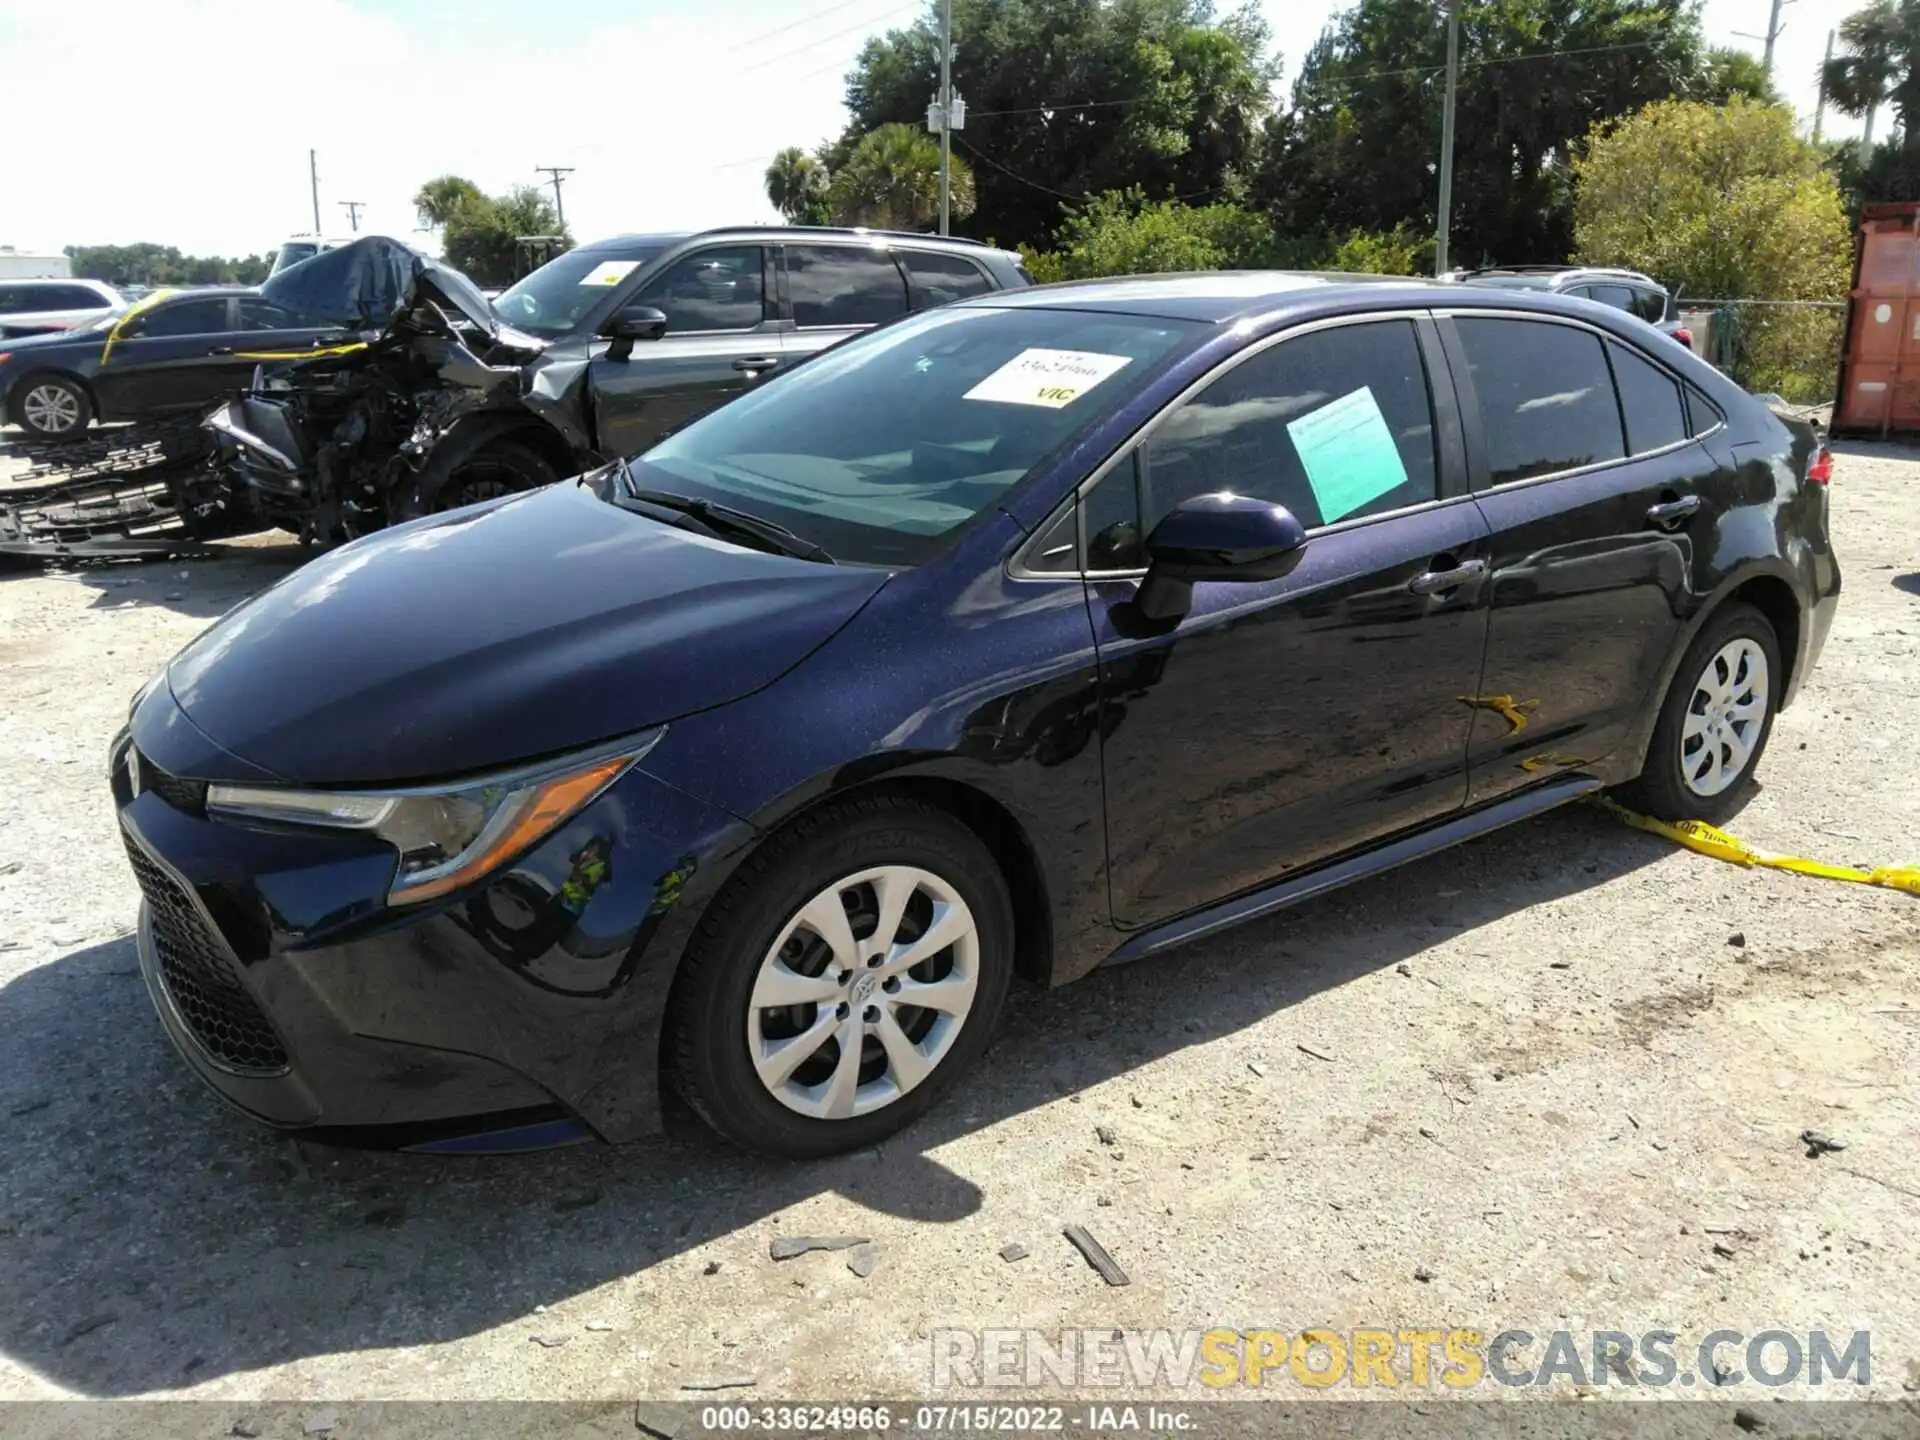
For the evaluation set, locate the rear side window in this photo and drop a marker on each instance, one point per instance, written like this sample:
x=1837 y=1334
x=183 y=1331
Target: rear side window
x=1650 y=400
x=1546 y=397
x=13 y=300
x=1650 y=306
x=844 y=285
x=1335 y=425
x=1618 y=296
x=938 y=279
x=258 y=314
x=1702 y=414
x=189 y=317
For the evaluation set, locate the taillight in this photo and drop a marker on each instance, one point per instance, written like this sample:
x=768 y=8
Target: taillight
x=1821 y=470
x=1684 y=336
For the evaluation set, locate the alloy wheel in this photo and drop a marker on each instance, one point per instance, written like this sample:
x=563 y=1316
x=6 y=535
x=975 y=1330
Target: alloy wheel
x=863 y=992
x=50 y=409
x=1725 y=717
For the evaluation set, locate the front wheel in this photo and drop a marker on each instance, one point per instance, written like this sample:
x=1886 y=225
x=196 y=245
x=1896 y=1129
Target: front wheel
x=1714 y=723
x=52 y=407
x=504 y=467
x=850 y=974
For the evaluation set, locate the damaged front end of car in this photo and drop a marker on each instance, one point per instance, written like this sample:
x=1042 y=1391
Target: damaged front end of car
x=427 y=403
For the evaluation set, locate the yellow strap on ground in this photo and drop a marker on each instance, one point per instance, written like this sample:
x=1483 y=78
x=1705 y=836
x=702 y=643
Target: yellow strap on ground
x=1708 y=840
x=299 y=354
x=133 y=311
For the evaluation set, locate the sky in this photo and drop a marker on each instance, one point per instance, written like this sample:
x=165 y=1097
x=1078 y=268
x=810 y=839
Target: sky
x=189 y=122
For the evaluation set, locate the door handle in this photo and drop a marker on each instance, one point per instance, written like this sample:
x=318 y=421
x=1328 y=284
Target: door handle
x=1436 y=582
x=756 y=364
x=1668 y=515
x=221 y=350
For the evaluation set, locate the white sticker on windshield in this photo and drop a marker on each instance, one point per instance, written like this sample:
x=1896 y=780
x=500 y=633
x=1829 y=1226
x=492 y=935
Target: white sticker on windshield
x=1053 y=379
x=610 y=272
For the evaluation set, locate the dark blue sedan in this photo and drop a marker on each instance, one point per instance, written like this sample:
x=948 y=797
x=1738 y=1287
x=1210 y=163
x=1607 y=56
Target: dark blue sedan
x=1036 y=633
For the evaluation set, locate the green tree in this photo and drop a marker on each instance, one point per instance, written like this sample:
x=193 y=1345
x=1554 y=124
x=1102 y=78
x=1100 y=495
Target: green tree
x=1124 y=233
x=1728 y=202
x=479 y=232
x=1068 y=99
x=796 y=184
x=1357 y=151
x=1879 y=62
x=891 y=181
x=1727 y=71
x=150 y=264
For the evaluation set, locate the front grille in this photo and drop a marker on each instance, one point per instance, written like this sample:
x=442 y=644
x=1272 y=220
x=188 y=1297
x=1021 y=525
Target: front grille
x=186 y=796
x=200 y=978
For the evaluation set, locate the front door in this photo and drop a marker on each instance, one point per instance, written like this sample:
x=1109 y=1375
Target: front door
x=1593 y=525
x=172 y=357
x=1282 y=722
x=723 y=334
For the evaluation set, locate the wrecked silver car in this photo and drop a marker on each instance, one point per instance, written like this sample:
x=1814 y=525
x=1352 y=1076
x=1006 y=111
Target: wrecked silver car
x=428 y=401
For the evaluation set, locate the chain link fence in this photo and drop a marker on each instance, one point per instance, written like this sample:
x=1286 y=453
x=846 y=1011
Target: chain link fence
x=1788 y=347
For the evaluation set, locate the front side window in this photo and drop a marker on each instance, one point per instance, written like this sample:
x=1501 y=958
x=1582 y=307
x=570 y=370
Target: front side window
x=880 y=448
x=844 y=285
x=1650 y=399
x=188 y=317
x=722 y=289
x=1334 y=425
x=13 y=300
x=1546 y=397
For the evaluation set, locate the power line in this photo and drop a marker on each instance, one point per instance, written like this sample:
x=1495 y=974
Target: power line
x=866 y=24
x=795 y=25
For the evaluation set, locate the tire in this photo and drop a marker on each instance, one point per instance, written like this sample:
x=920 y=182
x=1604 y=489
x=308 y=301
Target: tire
x=52 y=407
x=1719 y=668
x=500 y=467
x=758 y=938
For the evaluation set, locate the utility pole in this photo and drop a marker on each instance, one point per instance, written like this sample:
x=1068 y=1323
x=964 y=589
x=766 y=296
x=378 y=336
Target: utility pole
x=946 y=110
x=1774 y=28
x=1446 y=139
x=313 y=177
x=558 y=173
x=1820 y=105
x=353 y=209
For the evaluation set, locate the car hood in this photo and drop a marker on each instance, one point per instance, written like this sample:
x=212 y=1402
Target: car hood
x=504 y=632
x=372 y=283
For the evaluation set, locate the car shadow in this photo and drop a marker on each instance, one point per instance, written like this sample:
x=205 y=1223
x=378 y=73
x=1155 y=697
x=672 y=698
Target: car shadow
x=205 y=585
x=1910 y=582
x=150 y=1238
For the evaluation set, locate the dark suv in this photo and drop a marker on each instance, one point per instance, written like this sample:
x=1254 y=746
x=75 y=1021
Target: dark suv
x=738 y=304
x=1628 y=290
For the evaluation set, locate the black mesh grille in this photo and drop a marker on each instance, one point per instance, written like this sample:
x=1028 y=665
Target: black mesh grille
x=189 y=796
x=199 y=978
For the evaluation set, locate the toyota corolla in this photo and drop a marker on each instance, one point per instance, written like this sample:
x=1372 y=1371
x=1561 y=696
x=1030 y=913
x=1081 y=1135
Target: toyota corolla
x=1036 y=633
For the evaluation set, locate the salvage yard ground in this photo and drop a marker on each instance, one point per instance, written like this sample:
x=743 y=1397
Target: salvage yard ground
x=1551 y=1080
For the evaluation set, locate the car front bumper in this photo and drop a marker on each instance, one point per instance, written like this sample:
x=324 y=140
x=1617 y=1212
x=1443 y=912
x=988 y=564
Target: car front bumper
x=521 y=1013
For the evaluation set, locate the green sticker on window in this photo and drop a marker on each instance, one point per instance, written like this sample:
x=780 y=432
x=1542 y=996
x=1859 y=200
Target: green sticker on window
x=1348 y=453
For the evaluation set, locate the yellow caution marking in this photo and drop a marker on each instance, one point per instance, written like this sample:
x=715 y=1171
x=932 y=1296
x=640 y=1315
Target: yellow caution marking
x=134 y=312
x=299 y=354
x=1709 y=840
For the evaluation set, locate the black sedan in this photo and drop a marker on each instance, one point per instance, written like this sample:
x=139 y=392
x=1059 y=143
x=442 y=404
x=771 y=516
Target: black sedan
x=177 y=351
x=1039 y=632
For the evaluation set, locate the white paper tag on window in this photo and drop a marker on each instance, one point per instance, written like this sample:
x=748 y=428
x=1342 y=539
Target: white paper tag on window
x=610 y=272
x=1052 y=379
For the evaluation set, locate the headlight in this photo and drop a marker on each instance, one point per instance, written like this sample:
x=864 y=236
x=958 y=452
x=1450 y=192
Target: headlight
x=447 y=836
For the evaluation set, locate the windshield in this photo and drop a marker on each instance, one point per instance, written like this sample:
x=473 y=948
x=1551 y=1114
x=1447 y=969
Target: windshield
x=294 y=252
x=880 y=448
x=552 y=300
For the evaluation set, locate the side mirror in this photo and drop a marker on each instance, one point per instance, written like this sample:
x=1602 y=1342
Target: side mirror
x=630 y=323
x=1222 y=536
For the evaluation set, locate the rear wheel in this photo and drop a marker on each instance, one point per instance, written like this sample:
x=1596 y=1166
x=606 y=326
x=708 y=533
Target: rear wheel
x=52 y=407
x=1715 y=721
x=850 y=974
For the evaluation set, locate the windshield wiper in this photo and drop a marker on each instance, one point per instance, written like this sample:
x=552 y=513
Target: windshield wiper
x=725 y=519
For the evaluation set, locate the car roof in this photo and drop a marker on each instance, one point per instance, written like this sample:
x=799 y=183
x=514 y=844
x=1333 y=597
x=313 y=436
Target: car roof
x=624 y=245
x=1229 y=297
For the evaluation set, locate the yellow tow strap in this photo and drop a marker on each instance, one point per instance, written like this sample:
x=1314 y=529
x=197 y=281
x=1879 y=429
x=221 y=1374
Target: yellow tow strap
x=299 y=354
x=1705 y=838
x=133 y=312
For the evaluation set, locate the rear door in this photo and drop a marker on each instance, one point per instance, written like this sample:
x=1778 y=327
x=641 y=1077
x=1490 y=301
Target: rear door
x=1281 y=722
x=838 y=290
x=171 y=357
x=723 y=333
x=1596 y=496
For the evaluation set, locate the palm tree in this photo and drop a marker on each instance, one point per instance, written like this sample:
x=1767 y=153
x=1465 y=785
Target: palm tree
x=891 y=181
x=1878 y=48
x=795 y=180
x=438 y=201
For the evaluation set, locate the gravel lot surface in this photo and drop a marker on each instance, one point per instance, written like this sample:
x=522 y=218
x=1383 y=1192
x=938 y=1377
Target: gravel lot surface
x=1533 y=1083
